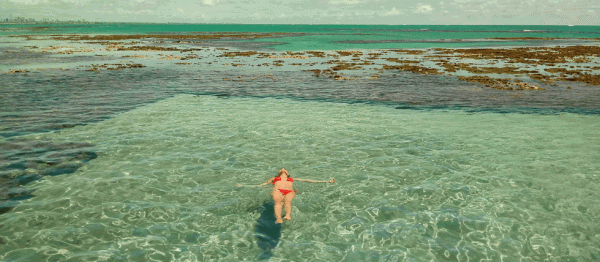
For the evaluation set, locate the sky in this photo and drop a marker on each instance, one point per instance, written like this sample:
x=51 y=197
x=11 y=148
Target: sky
x=388 y=12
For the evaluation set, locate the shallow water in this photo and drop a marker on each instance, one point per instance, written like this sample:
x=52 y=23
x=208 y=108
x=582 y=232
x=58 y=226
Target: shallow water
x=443 y=185
x=54 y=99
x=140 y=164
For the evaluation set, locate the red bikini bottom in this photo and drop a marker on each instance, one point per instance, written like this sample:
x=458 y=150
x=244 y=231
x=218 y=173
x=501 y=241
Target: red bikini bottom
x=285 y=191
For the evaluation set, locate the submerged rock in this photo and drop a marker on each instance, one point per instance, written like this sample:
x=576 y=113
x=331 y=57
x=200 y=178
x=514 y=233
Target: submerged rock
x=24 y=161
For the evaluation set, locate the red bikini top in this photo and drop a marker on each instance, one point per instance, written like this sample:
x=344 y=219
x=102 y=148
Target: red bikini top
x=289 y=179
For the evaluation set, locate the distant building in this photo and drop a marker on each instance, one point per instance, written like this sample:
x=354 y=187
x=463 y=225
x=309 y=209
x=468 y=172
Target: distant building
x=24 y=20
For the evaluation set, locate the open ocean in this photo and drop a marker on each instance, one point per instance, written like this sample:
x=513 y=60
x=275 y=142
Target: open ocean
x=140 y=164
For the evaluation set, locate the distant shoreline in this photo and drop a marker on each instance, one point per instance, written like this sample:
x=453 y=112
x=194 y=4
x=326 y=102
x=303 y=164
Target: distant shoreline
x=69 y=22
x=199 y=23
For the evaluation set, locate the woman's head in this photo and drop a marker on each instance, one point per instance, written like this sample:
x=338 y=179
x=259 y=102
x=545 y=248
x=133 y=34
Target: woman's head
x=283 y=171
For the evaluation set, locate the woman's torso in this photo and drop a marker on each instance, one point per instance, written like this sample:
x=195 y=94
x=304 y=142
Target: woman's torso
x=279 y=183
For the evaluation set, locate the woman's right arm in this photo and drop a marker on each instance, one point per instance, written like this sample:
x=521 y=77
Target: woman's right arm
x=268 y=181
x=263 y=184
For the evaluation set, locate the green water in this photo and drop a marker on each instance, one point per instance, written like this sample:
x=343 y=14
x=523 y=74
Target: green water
x=410 y=184
x=336 y=37
x=141 y=28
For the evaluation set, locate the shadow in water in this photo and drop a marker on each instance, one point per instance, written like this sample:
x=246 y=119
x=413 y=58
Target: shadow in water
x=267 y=232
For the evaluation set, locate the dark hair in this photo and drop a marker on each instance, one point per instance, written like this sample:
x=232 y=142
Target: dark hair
x=281 y=172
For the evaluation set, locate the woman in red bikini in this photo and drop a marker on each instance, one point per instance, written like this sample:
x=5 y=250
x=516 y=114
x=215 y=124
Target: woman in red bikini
x=283 y=192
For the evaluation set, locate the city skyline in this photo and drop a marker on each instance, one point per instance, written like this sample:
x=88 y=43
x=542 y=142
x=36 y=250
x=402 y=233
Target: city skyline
x=20 y=19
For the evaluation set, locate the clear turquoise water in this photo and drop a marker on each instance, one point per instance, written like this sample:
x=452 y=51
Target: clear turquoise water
x=140 y=165
x=441 y=185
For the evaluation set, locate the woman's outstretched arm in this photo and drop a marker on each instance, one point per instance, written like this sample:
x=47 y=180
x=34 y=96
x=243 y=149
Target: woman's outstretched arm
x=314 y=181
x=263 y=184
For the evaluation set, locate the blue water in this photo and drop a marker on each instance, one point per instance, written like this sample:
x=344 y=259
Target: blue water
x=141 y=163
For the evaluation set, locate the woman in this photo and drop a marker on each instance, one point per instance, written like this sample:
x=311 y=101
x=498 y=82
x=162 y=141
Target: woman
x=283 y=192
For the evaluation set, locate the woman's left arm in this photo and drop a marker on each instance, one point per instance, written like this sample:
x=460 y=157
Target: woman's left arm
x=314 y=181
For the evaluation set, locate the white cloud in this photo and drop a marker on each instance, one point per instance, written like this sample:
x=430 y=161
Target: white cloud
x=29 y=2
x=394 y=11
x=210 y=2
x=423 y=9
x=344 y=2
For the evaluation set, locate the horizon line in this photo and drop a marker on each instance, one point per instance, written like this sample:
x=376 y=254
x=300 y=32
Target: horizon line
x=204 y=23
